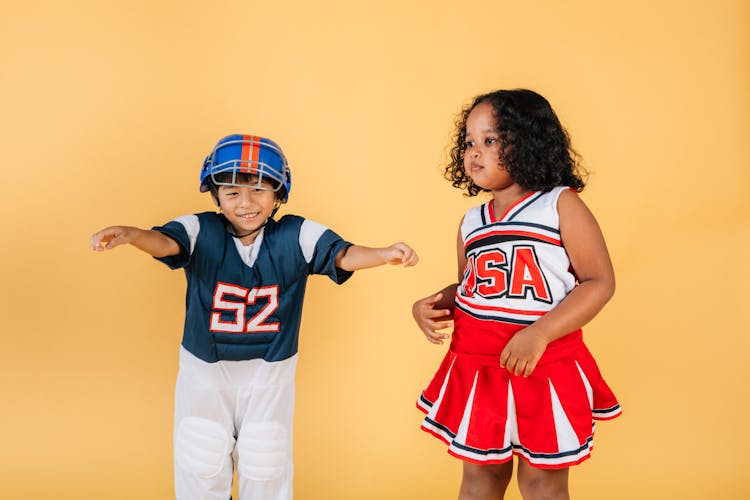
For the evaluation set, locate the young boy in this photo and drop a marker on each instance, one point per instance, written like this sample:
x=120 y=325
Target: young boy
x=246 y=276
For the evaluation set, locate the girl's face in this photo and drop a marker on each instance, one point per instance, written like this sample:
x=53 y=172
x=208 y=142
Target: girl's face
x=247 y=207
x=482 y=153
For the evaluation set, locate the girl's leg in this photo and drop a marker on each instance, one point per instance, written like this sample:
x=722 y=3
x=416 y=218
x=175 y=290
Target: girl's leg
x=485 y=482
x=538 y=484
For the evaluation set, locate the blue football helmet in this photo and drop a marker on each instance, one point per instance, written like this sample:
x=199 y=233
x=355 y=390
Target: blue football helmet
x=248 y=154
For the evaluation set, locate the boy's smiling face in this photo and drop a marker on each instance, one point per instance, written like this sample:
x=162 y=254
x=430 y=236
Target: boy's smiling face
x=247 y=207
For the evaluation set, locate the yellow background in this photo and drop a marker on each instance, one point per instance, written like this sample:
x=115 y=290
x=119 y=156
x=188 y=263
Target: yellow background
x=108 y=108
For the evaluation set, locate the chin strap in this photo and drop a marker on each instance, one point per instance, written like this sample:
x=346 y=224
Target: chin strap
x=276 y=206
x=240 y=236
x=230 y=228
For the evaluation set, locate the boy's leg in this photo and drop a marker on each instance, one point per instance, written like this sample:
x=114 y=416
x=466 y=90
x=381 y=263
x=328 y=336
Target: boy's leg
x=264 y=441
x=536 y=483
x=203 y=433
x=485 y=482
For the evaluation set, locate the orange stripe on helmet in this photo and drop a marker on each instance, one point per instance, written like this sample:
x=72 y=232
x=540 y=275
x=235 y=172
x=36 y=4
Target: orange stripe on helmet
x=256 y=154
x=244 y=156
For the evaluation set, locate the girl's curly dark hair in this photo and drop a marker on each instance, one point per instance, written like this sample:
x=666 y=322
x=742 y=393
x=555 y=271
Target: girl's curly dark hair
x=534 y=146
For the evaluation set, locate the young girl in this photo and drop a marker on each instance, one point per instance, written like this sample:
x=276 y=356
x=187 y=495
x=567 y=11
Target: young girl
x=533 y=269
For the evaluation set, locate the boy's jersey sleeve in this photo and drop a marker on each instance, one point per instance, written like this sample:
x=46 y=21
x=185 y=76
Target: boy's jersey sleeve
x=184 y=230
x=320 y=246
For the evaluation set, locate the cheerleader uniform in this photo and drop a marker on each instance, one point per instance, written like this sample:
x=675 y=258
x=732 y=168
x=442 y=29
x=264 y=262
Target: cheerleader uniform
x=517 y=270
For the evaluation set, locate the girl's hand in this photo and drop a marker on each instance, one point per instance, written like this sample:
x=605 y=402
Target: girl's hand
x=400 y=253
x=523 y=351
x=430 y=320
x=111 y=237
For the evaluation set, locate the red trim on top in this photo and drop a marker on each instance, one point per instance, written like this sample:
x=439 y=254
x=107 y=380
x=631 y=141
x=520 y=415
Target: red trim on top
x=512 y=207
x=502 y=309
x=536 y=236
x=491 y=210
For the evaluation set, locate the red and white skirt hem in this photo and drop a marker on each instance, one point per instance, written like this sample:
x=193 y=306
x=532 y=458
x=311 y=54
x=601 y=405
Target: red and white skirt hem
x=486 y=415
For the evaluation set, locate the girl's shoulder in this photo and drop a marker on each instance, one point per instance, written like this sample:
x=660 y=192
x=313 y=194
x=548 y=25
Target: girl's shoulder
x=545 y=203
x=556 y=192
x=475 y=217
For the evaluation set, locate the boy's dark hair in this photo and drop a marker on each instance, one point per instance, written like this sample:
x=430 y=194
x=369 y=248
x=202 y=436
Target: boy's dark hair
x=534 y=146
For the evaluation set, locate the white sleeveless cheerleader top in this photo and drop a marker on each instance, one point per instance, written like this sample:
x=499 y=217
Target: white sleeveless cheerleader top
x=517 y=268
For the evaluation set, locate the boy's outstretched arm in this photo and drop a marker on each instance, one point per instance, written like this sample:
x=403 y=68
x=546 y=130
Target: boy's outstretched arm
x=356 y=257
x=151 y=242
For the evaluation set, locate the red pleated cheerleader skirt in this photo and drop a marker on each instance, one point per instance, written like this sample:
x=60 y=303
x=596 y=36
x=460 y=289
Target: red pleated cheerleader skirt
x=486 y=415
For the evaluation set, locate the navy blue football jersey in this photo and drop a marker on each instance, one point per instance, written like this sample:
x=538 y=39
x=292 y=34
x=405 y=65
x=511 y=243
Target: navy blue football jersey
x=246 y=302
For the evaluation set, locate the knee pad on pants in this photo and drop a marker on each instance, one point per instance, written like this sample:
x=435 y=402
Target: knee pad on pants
x=263 y=449
x=201 y=446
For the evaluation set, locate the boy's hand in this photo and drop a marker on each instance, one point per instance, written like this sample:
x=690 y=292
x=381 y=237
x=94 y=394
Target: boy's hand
x=152 y=242
x=523 y=351
x=111 y=237
x=400 y=253
x=430 y=320
x=356 y=257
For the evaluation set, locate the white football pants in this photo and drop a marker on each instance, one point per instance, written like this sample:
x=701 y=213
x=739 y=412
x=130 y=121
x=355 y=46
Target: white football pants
x=233 y=412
